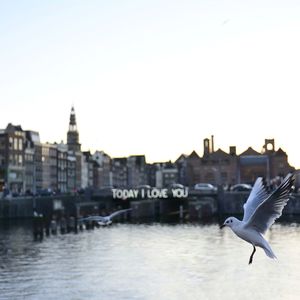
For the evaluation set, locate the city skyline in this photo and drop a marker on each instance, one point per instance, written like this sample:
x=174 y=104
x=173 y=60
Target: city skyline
x=153 y=78
x=208 y=141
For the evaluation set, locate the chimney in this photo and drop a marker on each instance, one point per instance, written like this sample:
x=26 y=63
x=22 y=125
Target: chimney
x=206 y=147
x=232 y=150
x=212 y=144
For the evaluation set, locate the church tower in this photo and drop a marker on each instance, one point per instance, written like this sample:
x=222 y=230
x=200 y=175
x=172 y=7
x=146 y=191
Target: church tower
x=73 y=135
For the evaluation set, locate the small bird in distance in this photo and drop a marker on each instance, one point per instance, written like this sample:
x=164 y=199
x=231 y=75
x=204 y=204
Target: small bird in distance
x=105 y=220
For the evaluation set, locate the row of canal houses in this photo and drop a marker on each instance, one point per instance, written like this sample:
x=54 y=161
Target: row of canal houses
x=29 y=166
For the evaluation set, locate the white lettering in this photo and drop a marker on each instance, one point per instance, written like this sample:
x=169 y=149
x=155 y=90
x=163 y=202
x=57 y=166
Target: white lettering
x=124 y=194
x=156 y=193
x=135 y=193
x=164 y=193
x=180 y=193
x=153 y=193
x=114 y=193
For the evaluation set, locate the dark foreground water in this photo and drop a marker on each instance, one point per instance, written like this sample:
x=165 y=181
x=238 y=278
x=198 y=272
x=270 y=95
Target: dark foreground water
x=148 y=262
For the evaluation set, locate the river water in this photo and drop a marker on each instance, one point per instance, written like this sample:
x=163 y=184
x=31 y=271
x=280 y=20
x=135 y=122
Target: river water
x=154 y=261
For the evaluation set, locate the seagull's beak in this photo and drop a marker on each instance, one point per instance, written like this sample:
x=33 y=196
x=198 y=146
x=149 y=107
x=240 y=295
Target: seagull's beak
x=222 y=226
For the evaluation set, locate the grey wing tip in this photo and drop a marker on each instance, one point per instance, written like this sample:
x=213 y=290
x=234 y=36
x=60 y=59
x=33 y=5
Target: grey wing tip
x=290 y=178
x=264 y=184
x=288 y=183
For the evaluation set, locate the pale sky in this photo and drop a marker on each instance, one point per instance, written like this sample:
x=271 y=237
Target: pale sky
x=153 y=77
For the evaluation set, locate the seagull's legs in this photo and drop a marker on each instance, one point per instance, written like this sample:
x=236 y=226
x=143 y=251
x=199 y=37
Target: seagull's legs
x=251 y=256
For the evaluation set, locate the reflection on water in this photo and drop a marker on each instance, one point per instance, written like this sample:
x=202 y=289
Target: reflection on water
x=148 y=262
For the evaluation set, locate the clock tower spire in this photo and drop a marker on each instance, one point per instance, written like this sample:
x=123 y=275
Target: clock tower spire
x=73 y=135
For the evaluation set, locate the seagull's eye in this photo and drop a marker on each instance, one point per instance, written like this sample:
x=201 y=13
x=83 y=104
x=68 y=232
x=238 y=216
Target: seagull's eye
x=227 y=222
x=230 y=221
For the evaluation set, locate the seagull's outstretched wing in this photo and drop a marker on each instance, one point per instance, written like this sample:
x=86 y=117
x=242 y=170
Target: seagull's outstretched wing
x=257 y=196
x=93 y=218
x=104 y=218
x=270 y=209
x=118 y=212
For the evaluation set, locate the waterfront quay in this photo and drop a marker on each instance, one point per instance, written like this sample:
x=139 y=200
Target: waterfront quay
x=194 y=205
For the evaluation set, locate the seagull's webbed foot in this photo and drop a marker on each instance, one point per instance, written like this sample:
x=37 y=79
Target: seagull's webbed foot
x=252 y=254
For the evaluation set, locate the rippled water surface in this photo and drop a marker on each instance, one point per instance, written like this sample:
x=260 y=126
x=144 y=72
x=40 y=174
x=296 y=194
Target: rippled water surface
x=148 y=262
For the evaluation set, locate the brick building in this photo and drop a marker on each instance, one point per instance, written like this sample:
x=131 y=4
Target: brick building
x=220 y=167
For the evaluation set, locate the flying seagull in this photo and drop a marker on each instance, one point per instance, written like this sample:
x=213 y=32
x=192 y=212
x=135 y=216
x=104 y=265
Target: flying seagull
x=260 y=212
x=105 y=220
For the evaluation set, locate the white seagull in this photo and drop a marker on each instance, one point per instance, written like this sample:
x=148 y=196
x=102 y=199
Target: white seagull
x=105 y=220
x=260 y=212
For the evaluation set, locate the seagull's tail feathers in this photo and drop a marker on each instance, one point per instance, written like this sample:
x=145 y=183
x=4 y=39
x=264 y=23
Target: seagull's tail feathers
x=269 y=252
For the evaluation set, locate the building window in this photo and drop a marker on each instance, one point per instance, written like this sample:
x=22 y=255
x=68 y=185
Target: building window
x=10 y=143
x=20 y=144
x=15 y=143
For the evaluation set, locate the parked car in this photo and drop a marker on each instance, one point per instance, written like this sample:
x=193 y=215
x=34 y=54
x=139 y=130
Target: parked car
x=241 y=187
x=176 y=186
x=205 y=187
x=144 y=187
